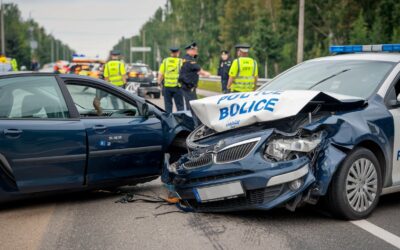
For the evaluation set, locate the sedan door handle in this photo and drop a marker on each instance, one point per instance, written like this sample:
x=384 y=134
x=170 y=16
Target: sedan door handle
x=12 y=132
x=99 y=128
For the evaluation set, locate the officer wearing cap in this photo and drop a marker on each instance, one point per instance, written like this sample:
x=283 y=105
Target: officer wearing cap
x=243 y=74
x=114 y=70
x=168 y=78
x=223 y=70
x=189 y=75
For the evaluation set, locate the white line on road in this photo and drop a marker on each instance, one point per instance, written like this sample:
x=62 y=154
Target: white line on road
x=378 y=232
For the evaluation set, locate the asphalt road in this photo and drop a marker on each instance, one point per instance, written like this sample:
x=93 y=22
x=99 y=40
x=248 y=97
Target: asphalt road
x=95 y=221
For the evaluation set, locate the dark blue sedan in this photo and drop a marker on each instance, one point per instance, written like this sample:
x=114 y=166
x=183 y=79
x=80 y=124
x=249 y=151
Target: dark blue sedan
x=67 y=132
x=327 y=129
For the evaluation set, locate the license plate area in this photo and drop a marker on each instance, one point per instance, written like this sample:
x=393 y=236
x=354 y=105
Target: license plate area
x=219 y=192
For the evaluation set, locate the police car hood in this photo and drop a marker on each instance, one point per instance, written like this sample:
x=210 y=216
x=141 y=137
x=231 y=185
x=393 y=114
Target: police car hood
x=229 y=111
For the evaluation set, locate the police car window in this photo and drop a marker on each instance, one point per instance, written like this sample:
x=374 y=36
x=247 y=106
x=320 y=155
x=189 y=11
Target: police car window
x=351 y=77
x=95 y=102
x=37 y=97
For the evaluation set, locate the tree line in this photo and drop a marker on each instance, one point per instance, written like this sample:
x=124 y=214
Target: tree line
x=270 y=26
x=18 y=36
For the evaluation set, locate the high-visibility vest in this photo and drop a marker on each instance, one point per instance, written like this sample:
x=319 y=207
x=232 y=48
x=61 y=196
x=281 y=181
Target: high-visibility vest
x=14 y=65
x=171 y=67
x=244 y=80
x=115 y=70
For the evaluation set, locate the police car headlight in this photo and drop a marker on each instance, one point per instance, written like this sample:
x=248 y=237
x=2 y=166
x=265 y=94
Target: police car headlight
x=280 y=149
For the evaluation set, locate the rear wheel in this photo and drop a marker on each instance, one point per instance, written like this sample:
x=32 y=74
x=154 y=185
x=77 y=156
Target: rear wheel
x=356 y=186
x=156 y=95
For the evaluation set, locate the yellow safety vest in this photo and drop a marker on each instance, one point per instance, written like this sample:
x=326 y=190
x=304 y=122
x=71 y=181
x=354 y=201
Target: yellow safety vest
x=246 y=73
x=115 y=70
x=171 y=67
x=14 y=65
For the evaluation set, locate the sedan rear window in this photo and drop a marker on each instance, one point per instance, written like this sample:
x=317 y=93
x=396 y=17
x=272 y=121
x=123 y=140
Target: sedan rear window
x=350 y=77
x=34 y=97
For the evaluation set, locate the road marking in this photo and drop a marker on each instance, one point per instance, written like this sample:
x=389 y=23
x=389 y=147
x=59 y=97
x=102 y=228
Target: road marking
x=378 y=232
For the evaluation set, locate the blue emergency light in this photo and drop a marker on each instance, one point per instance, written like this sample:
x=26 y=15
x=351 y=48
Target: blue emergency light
x=341 y=49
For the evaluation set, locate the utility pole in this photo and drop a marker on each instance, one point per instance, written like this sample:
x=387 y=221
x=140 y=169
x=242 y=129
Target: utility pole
x=52 y=49
x=3 y=43
x=300 y=38
x=144 y=44
x=57 y=52
x=130 y=52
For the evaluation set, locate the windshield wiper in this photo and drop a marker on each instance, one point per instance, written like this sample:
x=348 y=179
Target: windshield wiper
x=329 y=77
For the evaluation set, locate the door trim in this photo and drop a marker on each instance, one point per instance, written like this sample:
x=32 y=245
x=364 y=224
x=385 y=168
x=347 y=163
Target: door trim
x=52 y=159
x=124 y=151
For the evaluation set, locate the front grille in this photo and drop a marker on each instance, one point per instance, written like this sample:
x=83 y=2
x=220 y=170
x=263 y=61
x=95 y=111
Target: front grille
x=218 y=177
x=253 y=197
x=235 y=153
x=203 y=160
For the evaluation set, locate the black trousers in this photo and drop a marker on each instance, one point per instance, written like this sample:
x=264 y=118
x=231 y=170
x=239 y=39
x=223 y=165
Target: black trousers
x=174 y=93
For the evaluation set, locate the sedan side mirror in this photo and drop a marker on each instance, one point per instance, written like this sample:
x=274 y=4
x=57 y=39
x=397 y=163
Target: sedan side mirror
x=145 y=110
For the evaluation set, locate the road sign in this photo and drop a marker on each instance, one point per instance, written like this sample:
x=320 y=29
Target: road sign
x=140 y=49
x=33 y=44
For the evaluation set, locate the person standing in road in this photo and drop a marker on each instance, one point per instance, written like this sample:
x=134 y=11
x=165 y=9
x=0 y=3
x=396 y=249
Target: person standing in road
x=14 y=64
x=223 y=70
x=34 y=65
x=243 y=74
x=189 y=76
x=168 y=78
x=114 y=70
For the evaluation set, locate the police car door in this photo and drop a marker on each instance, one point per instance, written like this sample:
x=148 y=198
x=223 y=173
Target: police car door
x=122 y=143
x=392 y=100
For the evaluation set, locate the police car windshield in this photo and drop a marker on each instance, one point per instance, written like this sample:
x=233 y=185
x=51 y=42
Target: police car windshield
x=350 y=77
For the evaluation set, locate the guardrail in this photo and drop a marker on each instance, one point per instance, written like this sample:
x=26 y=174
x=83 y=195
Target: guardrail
x=260 y=81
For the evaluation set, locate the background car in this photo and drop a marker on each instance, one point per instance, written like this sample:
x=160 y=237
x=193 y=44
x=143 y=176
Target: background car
x=327 y=129
x=142 y=80
x=69 y=132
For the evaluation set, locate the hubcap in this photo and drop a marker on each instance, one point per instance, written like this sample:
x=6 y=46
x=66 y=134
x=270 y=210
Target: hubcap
x=361 y=185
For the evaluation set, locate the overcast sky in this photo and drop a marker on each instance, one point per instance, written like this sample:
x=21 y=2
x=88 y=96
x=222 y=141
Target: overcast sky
x=90 y=27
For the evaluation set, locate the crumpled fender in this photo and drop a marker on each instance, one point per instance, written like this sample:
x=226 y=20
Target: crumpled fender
x=345 y=132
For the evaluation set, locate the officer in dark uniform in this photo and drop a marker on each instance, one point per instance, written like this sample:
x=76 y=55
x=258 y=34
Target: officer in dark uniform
x=223 y=70
x=189 y=76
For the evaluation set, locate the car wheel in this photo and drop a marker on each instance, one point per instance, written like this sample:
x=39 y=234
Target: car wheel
x=355 y=189
x=157 y=95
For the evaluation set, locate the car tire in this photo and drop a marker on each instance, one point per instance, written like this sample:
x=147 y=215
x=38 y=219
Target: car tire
x=157 y=95
x=356 y=186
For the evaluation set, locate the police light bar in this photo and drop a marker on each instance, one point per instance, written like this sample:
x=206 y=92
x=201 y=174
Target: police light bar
x=340 y=49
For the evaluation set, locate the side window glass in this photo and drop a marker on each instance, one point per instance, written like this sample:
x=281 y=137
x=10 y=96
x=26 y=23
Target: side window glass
x=95 y=102
x=33 y=97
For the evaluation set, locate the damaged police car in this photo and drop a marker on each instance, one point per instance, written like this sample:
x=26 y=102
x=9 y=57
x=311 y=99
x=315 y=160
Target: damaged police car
x=327 y=128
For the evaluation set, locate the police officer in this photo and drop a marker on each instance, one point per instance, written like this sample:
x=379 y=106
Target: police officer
x=223 y=70
x=14 y=64
x=243 y=74
x=189 y=74
x=114 y=70
x=168 y=78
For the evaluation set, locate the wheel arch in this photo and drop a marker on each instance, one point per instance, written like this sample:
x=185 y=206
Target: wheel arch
x=380 y=155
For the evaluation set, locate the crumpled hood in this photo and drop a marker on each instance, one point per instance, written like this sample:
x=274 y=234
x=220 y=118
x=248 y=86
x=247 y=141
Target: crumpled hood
x=229 y=111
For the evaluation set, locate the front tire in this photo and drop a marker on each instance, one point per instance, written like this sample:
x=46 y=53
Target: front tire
x=355 y=189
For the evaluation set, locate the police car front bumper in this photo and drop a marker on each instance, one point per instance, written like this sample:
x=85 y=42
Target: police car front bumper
x=236 y=186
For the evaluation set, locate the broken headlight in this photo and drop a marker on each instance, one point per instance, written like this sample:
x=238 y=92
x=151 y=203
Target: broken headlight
x=289 y=148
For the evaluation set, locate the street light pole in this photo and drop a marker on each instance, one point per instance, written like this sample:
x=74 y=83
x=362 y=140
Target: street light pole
x=300 y=38
x=130 y=52
x=3 y=43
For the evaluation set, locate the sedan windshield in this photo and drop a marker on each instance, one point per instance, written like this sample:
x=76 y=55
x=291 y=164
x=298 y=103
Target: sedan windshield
x=353 y=78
